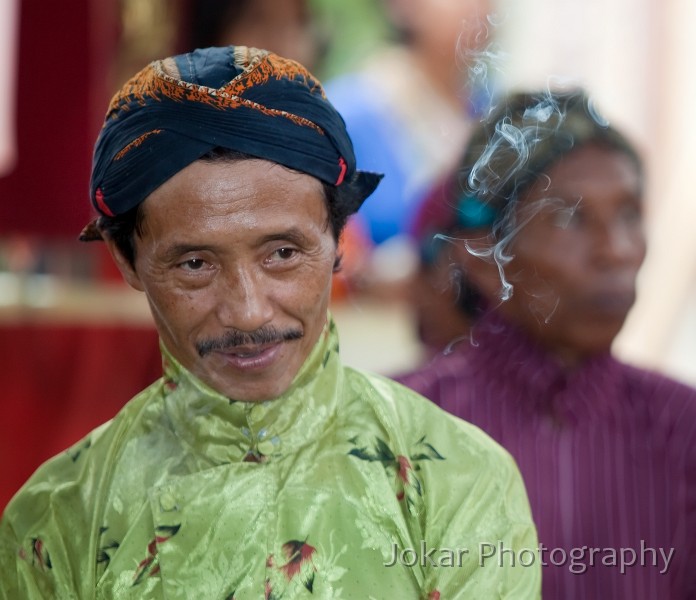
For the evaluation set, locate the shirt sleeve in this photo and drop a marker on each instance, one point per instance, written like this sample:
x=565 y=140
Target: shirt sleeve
x=479 y=539
x=46 y=548
x=18 y=581
x=31 y=555
x=470 y=523
x=486 y=538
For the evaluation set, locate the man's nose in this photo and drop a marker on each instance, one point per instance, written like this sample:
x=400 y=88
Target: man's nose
x=244 y=302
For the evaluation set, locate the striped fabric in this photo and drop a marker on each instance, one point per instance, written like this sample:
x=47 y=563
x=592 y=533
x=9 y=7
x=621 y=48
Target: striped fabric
x=607 y=452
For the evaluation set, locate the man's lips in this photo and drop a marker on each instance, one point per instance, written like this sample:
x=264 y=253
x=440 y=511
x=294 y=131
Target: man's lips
x=249 y=351
x=612 y=302
x=251 y=358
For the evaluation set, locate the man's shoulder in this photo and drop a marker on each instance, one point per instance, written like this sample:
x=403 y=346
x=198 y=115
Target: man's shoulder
x=57 y=514
x=449 y=456
x=68 y=478
x=653 y=385
x=416 y=417
x=59 y=476
x=663 y=403
x=442 y=373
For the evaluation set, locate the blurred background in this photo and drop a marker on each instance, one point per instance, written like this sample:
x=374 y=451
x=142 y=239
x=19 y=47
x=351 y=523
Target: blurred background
x=76 y=343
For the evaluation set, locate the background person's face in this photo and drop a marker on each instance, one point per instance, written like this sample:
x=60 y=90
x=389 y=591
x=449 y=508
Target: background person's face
x=445 y=26
x=242 y=246
x=576 y=260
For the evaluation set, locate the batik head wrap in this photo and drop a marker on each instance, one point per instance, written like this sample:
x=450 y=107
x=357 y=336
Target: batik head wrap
x=243 y=99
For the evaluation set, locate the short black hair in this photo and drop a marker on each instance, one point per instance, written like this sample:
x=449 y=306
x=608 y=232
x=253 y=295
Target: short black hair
x=521 y=138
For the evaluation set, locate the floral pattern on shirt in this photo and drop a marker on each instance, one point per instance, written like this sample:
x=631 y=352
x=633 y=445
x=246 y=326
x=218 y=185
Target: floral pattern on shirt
x=403 y=466
x=296 y=565
x=106 y=549
x=76 y=451
x=149 y=566
x=38 y=552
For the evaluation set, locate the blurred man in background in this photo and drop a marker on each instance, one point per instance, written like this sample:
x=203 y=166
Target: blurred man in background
x=546 y=234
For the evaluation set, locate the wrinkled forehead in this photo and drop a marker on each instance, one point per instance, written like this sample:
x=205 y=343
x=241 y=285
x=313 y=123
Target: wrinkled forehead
x=239 y=195
x=580 y=166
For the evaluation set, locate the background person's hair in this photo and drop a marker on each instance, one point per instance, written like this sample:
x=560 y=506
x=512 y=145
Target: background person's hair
x=523 y=135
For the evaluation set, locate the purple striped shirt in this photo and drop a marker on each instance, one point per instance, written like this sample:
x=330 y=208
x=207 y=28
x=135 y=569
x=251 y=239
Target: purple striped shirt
x=607 y=452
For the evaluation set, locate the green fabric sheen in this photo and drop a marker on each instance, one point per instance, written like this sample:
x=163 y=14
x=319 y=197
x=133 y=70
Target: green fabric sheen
x=186 y=494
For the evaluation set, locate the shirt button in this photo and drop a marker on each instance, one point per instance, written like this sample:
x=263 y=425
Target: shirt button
x=168 y=502
x=267 y=447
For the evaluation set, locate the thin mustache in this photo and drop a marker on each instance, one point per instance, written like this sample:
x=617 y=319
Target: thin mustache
x=235 y=338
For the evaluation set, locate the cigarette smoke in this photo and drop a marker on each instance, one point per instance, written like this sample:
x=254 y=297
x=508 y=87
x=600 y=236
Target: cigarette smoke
x=502 y=167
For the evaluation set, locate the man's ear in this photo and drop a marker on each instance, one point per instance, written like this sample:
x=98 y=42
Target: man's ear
x=127 y=270
x=473 y=253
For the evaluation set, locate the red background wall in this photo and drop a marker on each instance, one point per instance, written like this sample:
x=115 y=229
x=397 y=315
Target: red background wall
x=65 y=52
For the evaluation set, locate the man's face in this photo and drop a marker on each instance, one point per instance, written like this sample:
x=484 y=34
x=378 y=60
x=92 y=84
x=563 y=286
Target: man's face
x=576 y=258
x=236 y=261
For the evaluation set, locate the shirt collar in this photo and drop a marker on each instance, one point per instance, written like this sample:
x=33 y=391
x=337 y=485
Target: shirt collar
x=230 y=431
x=541 y=381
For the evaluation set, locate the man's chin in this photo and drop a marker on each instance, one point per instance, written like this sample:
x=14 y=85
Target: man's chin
x=255 y=374
x=261 y=390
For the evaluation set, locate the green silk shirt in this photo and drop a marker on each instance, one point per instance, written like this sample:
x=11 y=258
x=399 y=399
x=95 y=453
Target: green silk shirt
x=347 y=486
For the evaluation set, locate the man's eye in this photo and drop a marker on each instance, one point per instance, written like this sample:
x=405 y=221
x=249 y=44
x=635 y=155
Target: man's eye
x=285 y=253
x=193 y=264
x=567 y=217
x=631 y=213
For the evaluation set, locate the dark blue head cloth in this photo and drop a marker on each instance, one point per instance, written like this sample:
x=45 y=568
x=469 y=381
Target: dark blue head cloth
x=243 y=99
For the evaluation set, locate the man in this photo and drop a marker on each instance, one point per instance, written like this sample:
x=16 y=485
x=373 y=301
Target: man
x=258 y=466
x=547 y=237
